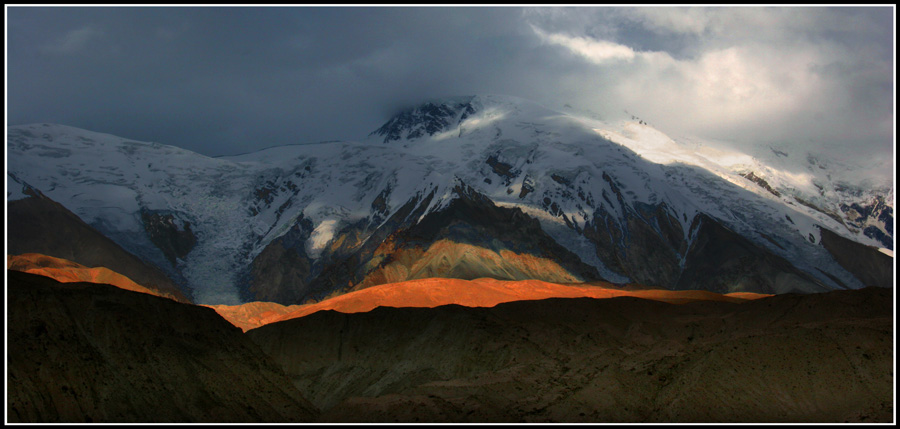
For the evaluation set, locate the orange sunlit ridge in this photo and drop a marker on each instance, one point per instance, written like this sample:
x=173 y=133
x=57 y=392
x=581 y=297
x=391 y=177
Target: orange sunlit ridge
x=483 y=292
x=66 y=271
x=422 y=293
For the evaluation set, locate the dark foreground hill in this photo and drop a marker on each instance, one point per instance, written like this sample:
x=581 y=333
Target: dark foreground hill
x=81 y=352
x=789 y=358
x=84 y=352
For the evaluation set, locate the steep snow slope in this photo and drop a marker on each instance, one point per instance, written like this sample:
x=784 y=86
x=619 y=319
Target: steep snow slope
x=833 y=192
x=109 y=181
x=559 y=168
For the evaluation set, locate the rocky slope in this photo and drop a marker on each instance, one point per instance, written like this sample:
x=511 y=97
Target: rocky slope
x=867 y=264
x=788 y=358
x=37 y=224
x=81 y=353
x=65 y=271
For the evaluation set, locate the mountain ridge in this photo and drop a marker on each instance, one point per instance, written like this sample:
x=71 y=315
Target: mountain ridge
x=554 y=167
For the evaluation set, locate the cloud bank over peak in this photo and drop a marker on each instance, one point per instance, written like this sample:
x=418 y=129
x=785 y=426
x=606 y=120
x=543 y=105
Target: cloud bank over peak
x=225 y=80
x=813 y=78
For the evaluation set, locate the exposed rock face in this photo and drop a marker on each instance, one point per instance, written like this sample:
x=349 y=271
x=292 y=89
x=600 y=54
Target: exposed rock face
x=353 y=257
x=788 y=358
x=651 y=248
x=869 y=265
x=815 y=207
x=474 y=238
x=876 y=219
x=723 y=261
x=502 y=169
x=426 y=119
x=94 y=353
x=174 y=240
x=40 y=225
x=453 y=260
x=647 y=247
x=469 y=239
x=343 y=263
x=761 y=182
x=282 y=271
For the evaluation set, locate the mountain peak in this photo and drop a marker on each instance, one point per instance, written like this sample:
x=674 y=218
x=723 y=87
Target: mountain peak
x=428 y=118
x=435 y=116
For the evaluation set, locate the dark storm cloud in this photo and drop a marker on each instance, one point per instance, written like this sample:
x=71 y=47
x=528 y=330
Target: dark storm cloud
x=225 y=80
x=234 y=79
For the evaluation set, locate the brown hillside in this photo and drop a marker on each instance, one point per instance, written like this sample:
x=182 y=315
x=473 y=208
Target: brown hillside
x=788 y=358
x=81 y=352
x=65 y=271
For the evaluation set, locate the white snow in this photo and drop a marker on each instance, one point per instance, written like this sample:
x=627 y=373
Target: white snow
x=320 y=237
x=238 y=204
x=14 y=189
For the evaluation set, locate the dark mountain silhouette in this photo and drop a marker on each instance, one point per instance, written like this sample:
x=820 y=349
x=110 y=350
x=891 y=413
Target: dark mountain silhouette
x=84 y=352
x=38 y=224
x=788 y=358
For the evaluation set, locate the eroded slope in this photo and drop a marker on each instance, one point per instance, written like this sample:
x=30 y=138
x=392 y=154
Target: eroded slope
x=82 y=352
x=789 y=358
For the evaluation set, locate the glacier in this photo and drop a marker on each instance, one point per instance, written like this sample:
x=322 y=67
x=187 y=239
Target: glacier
x=558 y=167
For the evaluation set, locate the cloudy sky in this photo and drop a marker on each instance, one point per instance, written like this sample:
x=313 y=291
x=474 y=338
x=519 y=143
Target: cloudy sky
x=222 y=81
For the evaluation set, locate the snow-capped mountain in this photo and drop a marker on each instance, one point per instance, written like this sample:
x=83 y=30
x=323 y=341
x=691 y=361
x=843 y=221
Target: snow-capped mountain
x=488 y=186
